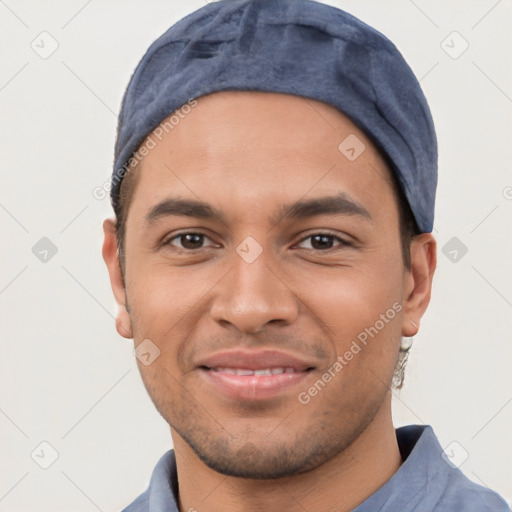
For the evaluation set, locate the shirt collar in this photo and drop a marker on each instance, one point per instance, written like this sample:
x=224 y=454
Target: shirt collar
x=423 y=477
x=422 y=464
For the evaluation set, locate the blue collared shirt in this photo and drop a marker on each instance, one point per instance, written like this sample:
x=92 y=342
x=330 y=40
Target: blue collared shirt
x=425 y=482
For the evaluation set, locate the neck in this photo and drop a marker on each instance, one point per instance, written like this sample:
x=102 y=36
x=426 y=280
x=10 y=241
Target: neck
x=339 y=485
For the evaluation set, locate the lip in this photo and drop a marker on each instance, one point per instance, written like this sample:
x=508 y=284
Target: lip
x=255 y=360
x=253 y=387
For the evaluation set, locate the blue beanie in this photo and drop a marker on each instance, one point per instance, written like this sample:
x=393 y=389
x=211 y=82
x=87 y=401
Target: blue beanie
x=299 y=47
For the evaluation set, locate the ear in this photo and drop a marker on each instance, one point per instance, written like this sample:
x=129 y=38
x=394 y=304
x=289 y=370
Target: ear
x=111 y=257
x=418 y=282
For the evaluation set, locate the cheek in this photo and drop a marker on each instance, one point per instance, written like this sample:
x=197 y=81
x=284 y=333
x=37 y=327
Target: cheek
x=168 y=307
x=352 y=299
x=362 y=315
x=162 y=296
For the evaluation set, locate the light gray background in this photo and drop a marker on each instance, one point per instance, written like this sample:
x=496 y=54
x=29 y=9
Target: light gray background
x=68 y=378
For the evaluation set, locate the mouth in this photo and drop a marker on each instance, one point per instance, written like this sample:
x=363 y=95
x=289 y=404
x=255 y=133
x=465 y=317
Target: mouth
x=254 y=375
x=248 y=371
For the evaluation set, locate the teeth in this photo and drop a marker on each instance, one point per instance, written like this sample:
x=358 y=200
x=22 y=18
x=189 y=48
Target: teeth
x=262 y=371
x=244 y=372
x=265 y=371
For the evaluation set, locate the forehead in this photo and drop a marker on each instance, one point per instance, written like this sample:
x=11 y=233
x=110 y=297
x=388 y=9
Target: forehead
x=257 y=148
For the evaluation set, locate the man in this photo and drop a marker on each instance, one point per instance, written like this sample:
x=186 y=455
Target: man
x=274 y=185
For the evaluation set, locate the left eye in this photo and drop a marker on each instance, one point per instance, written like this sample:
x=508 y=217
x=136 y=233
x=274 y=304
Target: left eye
x=323 y=241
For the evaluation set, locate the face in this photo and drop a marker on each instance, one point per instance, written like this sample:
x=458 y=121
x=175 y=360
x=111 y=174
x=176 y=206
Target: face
x=266 y=268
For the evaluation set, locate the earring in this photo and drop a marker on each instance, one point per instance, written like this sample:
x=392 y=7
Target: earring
x=406 y=343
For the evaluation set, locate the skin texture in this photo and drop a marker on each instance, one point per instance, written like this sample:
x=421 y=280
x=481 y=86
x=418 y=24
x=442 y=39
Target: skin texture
x=247 y=154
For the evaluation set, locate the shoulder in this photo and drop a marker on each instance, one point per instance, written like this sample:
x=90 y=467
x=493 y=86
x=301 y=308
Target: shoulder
x=140 y=504
x=162 y=491
x=429 y=481
x=460 y=491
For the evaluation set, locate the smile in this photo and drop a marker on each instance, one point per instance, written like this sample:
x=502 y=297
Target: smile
x=254 y=375
x=262 y=371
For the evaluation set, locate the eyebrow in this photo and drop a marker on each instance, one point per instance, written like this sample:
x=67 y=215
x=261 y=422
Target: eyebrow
x=340 y=204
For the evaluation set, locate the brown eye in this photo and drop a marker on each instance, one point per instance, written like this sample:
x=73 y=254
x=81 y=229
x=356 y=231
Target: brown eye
x=188 y=241
x=324 y=241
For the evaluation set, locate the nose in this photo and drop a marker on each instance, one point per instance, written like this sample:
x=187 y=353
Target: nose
x=252 y=295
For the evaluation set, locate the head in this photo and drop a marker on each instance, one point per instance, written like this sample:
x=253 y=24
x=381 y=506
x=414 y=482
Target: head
x=408 y=230
x=246 y=227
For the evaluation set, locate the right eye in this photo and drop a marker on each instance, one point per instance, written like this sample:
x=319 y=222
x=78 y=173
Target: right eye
x=188 y=241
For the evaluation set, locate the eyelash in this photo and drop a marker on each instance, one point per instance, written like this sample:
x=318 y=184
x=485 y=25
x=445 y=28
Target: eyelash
x=343 y=242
